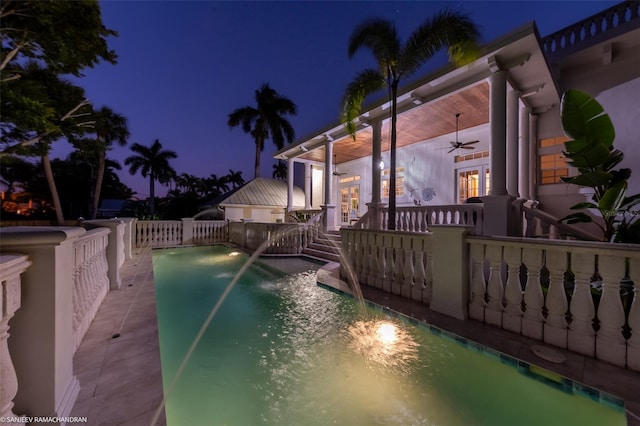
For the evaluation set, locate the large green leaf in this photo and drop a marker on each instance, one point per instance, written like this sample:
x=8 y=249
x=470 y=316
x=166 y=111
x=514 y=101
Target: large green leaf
x=589 y=158
x=615 y=157
x=591 y=179
x=585 y=205
x=584 y=118
x=612 y=199
x=576 y=218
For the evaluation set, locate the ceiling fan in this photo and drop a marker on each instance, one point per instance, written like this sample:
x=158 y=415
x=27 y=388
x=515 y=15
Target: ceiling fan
x=457 y=144
x=335 y=169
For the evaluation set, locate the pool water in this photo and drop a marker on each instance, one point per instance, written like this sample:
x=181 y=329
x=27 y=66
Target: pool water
x=283 y=351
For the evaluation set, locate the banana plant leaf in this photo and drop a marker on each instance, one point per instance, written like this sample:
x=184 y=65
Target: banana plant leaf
x=612 y=199
x=591 y=179
x=576 y=218
x=615 y=157
x=585 y=205
x=591 y=157
x=584 y=118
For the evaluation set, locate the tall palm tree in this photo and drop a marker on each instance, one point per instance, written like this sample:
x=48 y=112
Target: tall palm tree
x=110 y=127
x=152 y=161
x=218 y=185
x=235 y=179
x=396 y=61
x=280 y=170
x=266 y=120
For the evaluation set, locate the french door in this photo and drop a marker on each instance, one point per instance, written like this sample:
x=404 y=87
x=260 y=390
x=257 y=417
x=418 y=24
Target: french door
x=472 y=182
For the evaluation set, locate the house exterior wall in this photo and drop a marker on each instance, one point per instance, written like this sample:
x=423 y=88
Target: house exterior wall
x=254 y=213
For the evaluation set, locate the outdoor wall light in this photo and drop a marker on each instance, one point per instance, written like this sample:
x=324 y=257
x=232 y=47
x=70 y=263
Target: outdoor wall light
x=381 y=164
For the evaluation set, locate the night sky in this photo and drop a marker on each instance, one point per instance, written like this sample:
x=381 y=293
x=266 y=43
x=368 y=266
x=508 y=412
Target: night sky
x=184 y=66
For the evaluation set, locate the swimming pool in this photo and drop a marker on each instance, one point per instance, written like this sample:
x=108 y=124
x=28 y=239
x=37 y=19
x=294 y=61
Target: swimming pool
x=284 y=351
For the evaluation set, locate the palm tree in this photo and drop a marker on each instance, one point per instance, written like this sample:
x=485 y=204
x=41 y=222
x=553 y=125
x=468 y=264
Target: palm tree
x=280 y=170
x=396 y=61
x=266 y=120
x=216 y=184
x=152 y=161
x=235 y=179
x=109 y=127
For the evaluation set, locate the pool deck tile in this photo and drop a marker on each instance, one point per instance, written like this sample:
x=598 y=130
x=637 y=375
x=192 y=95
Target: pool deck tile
x=121 y=379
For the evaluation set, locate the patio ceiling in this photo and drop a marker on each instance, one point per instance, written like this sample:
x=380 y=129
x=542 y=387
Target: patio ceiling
x=418 y=124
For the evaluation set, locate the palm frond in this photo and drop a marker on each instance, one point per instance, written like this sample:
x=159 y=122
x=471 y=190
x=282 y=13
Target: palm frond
x=366 y=82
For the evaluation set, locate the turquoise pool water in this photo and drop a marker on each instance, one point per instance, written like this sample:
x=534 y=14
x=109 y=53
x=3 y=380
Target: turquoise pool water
x=284 y=351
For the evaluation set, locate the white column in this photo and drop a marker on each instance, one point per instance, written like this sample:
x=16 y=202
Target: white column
x=523 y=154
x=513 y=98
x=307 y=185
x=533 y=156
x=328 y=175
x=498 y=124
x=328 y=207
x=376 y=157
x=290 y=167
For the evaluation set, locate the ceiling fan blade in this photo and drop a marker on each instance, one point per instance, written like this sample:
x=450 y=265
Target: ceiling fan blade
x=451 y=150
x=454 y=144
x=467 y=147
x=470 y=143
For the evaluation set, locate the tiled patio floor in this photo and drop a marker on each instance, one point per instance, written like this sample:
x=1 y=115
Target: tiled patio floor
x=121 y=381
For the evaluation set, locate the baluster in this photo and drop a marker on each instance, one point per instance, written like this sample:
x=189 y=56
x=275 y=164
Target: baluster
x=633 y=344
x=379 y=261
x=373 y=257
x=478 y=286
x=555 y=325
x=419 y=274
x=366 y=259
x=357 y=264
x=512 y=318
x=581 y=335
x=387 y=284
x=495 y=288
x=9 y=304
x=532 y=321
x=398 y=265
x=427 y=293
x=610 y=344
x=76 y=285
x=408 y=272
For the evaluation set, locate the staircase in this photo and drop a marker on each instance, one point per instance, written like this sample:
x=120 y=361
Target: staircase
x=325 y=246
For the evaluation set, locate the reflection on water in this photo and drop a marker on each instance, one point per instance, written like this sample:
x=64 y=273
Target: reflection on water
x=385 y=343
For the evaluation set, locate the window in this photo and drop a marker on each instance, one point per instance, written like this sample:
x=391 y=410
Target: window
x=544 y=143
x=399 y=182
x=470 y=183
x=552 y=168
x=474 y=156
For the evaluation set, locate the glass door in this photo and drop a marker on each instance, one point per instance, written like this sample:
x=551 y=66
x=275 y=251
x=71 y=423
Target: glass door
x=349 y=204
x=470 y=183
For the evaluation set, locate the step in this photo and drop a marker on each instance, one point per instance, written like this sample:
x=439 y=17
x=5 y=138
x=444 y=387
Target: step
x=321 y=254
x=329 y=248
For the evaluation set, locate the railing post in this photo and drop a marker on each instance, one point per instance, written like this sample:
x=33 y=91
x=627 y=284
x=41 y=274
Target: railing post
x=115 y=249
x=450 y=271
x=11 y=266
x=42 y=341
x=187 y=231
x=633 y=344
x=129 y=235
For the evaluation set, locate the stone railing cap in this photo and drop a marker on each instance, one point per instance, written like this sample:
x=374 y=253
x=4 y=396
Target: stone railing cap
x=38 y=235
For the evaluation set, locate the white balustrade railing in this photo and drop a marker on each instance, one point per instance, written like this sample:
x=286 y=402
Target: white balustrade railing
x=594 y=29
x=90 y=280
x=158 y=233
x=418 y=218
x=395 y=262
x=210 y=231
x=11 y=267
x=575 y=295
x=171 y=233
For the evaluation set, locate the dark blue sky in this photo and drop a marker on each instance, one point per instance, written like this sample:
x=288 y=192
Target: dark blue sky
x=184 y=66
